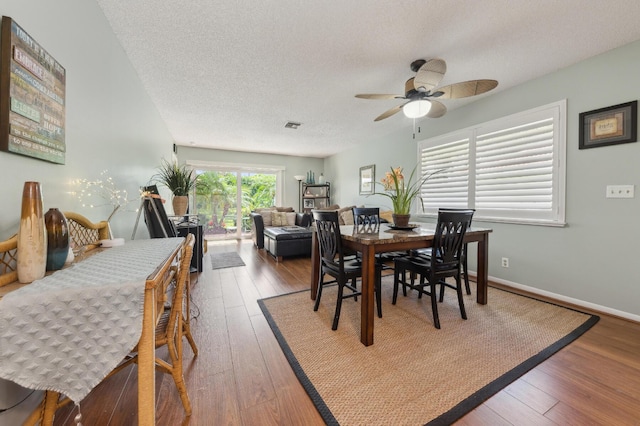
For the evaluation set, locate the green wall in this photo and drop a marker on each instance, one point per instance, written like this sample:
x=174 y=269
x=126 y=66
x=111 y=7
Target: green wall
x=590 y=261
x=111 y=124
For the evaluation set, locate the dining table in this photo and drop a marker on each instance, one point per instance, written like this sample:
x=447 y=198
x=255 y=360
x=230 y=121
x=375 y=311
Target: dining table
x=65 y=332
x=387 y=238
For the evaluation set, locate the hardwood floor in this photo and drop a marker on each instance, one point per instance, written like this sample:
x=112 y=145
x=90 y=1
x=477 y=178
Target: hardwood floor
x=241 y=376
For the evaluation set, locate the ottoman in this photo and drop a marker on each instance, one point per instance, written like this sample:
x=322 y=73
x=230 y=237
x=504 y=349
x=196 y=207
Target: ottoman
x=287 y=241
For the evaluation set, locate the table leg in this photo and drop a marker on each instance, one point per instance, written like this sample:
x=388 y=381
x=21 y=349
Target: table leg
x=146 y=362
x=483 y=270
x=315 y=265
x=368 y=287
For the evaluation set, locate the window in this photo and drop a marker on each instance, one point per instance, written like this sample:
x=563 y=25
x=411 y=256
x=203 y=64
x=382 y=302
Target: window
x=510 y=170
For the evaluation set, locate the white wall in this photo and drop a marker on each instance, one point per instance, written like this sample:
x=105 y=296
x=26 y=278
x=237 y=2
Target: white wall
x=110 y=124
x=110 y=121
x=593 y=258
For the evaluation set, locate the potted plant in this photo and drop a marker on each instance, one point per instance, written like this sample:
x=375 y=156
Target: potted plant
x=402 y=193
x=180 y=180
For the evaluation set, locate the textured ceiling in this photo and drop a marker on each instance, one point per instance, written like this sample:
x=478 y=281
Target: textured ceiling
x=229 y=75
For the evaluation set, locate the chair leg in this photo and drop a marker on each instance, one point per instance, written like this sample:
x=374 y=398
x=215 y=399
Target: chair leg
x=463 y=313
x=465 y=269
x=354 y=284
x=434 y=306
x=178 y=378
x=319 y=292
x=336 y=317
x=396 y=278
x=442 y=287
x=379 y=290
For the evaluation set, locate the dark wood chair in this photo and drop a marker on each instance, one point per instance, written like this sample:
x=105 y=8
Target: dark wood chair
x=465 y=268
x=333 y=263
x=444 y=262
x=367 y=220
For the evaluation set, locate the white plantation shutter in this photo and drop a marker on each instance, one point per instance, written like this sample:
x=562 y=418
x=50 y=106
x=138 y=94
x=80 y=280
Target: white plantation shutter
x=449 y=186
x=511 y=169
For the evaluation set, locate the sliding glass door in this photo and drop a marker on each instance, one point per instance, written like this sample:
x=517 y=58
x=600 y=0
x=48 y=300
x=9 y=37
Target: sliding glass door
x=225 y=197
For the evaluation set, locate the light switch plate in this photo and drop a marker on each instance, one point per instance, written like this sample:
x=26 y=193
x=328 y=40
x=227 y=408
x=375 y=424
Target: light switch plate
x=620 y=191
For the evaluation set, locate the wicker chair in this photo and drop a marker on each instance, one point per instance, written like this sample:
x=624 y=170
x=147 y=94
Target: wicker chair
x=85 y=233
x=170 y=328
x=8 y=260
x=169 y=332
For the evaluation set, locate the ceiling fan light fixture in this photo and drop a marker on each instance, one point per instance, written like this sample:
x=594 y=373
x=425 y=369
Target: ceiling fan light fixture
x=416 y=109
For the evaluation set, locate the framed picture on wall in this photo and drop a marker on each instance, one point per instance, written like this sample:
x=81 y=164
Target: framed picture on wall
x=309 y=204
x=367 y=180
x=609 y=126
x=32 y=97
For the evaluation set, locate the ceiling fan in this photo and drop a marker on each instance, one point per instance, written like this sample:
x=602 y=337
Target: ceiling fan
x=420 y=91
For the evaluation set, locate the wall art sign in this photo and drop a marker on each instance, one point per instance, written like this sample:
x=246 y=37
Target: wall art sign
x=609 y=126
x=32 y=97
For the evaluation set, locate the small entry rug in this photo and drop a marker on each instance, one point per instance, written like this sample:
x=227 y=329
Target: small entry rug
x=227 y=259
x=414 y=374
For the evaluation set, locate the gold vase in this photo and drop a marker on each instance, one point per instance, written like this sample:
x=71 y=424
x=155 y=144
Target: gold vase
x=401 y=220
x=180 y=204
x=32 y=235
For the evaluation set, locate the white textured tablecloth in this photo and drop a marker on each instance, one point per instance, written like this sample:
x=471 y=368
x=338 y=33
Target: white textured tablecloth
x=67 y=331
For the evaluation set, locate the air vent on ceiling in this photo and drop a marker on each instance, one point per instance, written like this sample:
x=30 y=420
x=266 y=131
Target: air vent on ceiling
x=292 y=125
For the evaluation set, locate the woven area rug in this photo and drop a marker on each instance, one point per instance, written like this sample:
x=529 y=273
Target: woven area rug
x=414 y=374
x=227 y=259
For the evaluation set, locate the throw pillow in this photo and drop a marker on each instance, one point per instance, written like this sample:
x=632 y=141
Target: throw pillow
x=266 y=216
x=279 y=219
x=342 y=210
x=291 y=218
x=346 y=217
x=387 y=215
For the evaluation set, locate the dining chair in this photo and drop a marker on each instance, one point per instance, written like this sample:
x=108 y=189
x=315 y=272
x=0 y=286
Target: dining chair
x=8 y=260
x=345 y=272
x=426 y=252
x=367 y=220
x=169 y=332
x=170 y=327
x=85 y=233
x=444 y=262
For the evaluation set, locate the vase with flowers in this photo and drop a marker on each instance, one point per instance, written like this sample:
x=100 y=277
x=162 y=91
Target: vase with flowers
x=402 y=193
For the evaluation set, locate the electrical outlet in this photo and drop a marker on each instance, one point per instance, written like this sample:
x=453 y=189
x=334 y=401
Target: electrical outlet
x=620 y=191
x=505 y=262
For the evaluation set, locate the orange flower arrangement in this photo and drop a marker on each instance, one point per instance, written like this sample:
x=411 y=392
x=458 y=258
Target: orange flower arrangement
x=400 y=192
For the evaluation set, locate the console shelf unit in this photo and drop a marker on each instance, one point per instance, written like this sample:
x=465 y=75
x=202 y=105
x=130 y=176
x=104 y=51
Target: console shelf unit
x=315 y=196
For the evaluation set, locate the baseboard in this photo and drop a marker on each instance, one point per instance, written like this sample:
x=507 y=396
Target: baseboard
x=564 y=299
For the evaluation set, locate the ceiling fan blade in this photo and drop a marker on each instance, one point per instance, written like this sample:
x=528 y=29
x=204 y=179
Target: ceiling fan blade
x=429 y=75
x=438 y=109
x=466 y=89
x=377 y=96
x=389 y=113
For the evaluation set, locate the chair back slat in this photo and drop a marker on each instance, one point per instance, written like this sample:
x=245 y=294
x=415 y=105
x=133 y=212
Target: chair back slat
x=366 y=220
x=329 y=238
x=448 y=240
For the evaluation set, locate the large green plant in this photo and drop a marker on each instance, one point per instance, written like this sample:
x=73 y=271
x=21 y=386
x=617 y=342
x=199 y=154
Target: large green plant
x=180 y=179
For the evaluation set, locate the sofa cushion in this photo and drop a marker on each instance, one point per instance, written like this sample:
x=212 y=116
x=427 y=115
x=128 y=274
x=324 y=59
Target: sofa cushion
x=267 y=217
x=331 y=207
x=284 y=209
x=341 y=217
x=387 y=215
x=346 y=217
